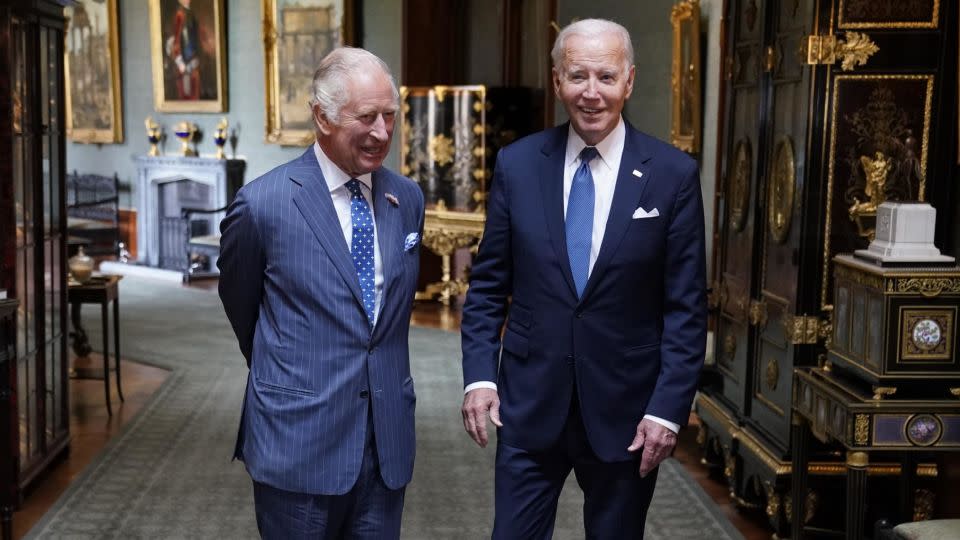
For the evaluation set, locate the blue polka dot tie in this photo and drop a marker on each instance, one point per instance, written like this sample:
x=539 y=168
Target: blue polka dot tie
x=579 y=222
x=361 y=246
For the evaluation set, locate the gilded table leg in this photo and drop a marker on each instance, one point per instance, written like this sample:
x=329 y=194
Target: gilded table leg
x=856 y=493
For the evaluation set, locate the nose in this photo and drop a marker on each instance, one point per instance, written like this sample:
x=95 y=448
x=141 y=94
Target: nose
x=379 y=130
x=590 y=92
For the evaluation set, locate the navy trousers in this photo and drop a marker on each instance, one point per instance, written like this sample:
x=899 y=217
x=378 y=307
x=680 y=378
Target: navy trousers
x=528 y=484
x=369 y=511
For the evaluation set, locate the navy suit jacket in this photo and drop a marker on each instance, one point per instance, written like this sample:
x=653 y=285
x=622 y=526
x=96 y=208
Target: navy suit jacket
x=292 y=295
x=634 y=343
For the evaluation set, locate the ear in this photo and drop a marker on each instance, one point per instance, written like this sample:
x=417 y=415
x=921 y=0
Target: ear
x=633 y=72
x=324 y=125
x=556 y=80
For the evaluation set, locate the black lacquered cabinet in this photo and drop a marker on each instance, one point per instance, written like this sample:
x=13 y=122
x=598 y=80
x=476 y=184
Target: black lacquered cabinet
x=831 y=107
x=32 y=243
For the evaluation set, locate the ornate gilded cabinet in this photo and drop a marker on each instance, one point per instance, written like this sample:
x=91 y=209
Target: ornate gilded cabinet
x=828 y=111
x=32 y=243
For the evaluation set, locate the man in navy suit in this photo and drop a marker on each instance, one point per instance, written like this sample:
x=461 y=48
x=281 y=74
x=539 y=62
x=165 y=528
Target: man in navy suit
x=318 y=267
x=596 y=231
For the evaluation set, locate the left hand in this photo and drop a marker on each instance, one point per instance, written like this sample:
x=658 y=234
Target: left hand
x=657 y=442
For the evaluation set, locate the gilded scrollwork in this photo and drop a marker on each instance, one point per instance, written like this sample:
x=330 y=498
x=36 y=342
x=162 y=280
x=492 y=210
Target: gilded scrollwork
x=928 y=286
x=861 y=430
x=772 y=374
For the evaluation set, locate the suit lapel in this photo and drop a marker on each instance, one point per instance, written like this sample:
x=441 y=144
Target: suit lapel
x=315 y=204
x=551 y=187
x=388 y=232
x=626 y=197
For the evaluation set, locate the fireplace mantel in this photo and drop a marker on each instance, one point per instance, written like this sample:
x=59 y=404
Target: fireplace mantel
x=225 y=176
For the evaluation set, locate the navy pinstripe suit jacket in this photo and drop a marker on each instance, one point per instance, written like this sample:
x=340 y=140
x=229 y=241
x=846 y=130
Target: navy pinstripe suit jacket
x=291 y=292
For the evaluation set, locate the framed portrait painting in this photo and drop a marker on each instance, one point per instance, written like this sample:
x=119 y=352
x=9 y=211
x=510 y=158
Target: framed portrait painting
x=685 y=77
x=188 y=50
x=297 y=34
x=92 y=60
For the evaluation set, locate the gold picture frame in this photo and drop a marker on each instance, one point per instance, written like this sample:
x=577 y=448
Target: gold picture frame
x=188 y=50
x=91 y=57
x=685 y=80
x=297 y=34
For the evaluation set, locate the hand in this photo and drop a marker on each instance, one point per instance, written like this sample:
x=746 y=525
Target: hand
x=657 y=442
x=477 y=404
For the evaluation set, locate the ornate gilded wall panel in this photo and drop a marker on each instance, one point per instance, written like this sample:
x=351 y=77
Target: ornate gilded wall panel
x=879 y=143
x=889 y=14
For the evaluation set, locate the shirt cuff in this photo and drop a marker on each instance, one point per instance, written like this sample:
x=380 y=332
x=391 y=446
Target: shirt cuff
x=665 y=423
x=480 y=384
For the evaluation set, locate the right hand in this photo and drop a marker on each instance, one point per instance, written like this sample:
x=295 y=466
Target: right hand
x=477 y=404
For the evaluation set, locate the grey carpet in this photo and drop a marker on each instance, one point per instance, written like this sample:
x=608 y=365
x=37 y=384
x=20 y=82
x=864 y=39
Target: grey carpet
x=169 y=474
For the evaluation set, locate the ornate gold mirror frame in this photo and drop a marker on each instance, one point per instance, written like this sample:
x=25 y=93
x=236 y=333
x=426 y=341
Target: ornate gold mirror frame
x=685 y=76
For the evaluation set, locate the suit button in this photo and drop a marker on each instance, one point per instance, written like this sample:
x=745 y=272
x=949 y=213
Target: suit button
x=579 y=314
x=570 y=359
x=364 y=394
x=371 y=350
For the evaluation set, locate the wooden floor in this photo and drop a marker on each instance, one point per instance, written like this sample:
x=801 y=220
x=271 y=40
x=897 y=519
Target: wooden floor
x=92 y=429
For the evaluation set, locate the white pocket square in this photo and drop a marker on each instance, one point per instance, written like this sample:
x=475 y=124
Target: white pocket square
x=640 y=213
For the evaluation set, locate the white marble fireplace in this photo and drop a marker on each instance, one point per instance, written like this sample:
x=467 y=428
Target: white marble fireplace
x=223 y=176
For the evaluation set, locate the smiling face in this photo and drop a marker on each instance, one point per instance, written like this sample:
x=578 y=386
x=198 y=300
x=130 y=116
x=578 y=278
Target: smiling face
x=359 y=140
x=593 y=82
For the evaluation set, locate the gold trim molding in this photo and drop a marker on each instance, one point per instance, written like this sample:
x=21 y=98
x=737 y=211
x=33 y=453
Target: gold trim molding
x=933 y=23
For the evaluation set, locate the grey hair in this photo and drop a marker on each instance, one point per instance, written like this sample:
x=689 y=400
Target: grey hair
x=592 y=28
x=329 y=86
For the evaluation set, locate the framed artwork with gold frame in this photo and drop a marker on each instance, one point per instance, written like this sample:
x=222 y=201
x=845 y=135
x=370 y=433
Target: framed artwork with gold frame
x=297 y=34
x=94 y=104
x=189 y=54
x=685 y=83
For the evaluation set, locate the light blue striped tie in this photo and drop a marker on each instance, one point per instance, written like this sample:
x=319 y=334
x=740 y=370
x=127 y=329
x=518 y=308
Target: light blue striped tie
x=361 y=245
x=579 y=223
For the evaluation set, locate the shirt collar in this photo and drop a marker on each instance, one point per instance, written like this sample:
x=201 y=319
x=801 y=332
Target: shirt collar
x=606 y=148
x=335 y=177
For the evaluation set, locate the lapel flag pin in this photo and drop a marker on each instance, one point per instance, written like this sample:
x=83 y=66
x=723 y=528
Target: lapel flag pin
x=637 y=173
x=392 y=198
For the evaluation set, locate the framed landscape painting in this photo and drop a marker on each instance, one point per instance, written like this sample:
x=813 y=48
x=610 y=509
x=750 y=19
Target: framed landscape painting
x=92 y=58
x=188 y=50
x=297 y=34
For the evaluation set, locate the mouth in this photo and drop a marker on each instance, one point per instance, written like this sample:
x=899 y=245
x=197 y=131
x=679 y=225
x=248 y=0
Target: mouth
x=590 y=113
x=372 y=151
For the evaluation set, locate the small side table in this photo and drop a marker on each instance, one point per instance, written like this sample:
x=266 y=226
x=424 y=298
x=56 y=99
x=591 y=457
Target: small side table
x=100 y=290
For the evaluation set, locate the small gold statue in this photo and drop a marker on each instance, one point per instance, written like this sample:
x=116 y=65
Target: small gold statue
x=153 y=135
x=186 y=131
x=876 y=171
x=220 y=137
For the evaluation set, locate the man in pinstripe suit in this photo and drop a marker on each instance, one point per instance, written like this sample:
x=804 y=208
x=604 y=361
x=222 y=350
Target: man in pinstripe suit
x=318 y=267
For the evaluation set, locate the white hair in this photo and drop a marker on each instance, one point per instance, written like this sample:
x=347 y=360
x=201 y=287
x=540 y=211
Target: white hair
x=329 y=86
x=592 y=28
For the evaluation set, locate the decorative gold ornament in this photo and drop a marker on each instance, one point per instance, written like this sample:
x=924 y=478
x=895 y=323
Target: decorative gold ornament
x=857 y=460
x=876 y=171
x=186 y=131
x=782 y=191
x=441 y=149
x=861 y=430
x=739 y=185
x=153 y=135
x=220 y=137
x=854 y=51
x=923 y=504
x=729 y=347
x=806 y=329
x=773 y=374
x=929 y=287
x=880 y=392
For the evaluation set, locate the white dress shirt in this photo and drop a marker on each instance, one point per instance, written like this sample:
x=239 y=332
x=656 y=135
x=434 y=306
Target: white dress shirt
x=337 y=184
x=604 y=169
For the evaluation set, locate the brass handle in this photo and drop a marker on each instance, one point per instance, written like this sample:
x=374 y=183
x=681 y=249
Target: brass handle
x=855 y=50
x=758 y=312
